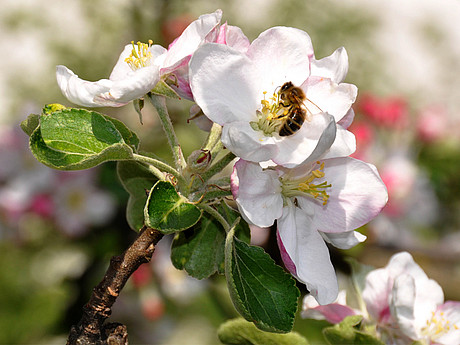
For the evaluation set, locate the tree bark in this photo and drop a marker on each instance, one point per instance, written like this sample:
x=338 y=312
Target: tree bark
x=92 y=328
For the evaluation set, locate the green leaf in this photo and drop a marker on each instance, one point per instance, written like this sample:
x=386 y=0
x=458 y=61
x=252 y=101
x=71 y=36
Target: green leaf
x=261 y=291
x=167 y=211
x=200 y=250
x=137 y=181
x=242 y=332
x=30 y=124
x=72 y=139
x=346 y=333
x=164 y=89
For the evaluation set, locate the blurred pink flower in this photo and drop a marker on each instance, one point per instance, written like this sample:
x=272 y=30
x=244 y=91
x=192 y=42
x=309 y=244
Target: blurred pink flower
x=365 y=137
x=432 y=124
x=389 y=112
x=80 y=204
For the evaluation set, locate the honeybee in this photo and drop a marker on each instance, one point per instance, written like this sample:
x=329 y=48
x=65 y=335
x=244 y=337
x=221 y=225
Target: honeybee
x=293 y=98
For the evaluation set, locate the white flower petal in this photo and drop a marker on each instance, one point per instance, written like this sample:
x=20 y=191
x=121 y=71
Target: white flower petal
x=343 y=145
x=308 y=144
x=134 y=86
x=334 y=66
x=402 y=304
x=356 y=196
x=346 y=121
x=281 y=54
x=224 y=84
x=259 y=193
x=309 y=253
x=243 y=141
x=343 y=240
x=80 y=91
x=329 y=97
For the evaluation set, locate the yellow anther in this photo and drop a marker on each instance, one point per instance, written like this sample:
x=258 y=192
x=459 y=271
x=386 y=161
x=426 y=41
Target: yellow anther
x=140 y=55
x=306 y=187
x=317 y=173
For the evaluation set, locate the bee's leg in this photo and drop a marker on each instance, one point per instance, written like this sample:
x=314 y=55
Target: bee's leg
x=284 y=113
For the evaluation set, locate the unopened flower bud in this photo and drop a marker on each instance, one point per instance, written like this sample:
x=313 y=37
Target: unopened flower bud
x=199 y=160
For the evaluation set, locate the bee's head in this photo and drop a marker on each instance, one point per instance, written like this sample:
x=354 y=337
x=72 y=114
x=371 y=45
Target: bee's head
x=286 y=86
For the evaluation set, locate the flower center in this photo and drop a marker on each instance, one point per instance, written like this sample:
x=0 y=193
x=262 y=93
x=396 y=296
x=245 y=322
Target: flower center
x=140 y=55
x=305 y=186
x=438 y=326
x=271 y=115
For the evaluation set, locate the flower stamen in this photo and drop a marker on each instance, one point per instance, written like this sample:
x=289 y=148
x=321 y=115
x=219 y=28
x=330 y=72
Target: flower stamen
x=140 y=55
x=305 y=187
x=271 y=114
x=438 y=326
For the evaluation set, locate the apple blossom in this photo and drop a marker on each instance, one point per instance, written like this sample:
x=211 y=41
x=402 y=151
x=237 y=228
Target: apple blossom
x=401 y=302
x=314 y=203
x=134 y=74
x=174 y=61
x=240 y=90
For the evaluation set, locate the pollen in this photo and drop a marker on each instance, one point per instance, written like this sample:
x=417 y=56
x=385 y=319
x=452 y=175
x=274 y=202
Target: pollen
x=308 y=186
x=271 y=114
x=140 y=55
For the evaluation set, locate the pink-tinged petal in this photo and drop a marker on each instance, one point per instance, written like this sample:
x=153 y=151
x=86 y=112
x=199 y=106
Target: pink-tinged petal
x=180 y=78
x=224 y=84
x=357 y=194
x=243 y=141
x=376 y=294
x=308 y=144
x=259 y=196
x=288 y=263
x=308 y=251
x=334 y=67
x=333 y=313
x=234 y=182
x=204 y=29
x=80 y=91
x=197 y=116
x=450 y=311
x=134 y=86
x=281 y=54
x=343 y=145
x=343 y=240
x=329 y=97
x=347 y=120
x=237 y=39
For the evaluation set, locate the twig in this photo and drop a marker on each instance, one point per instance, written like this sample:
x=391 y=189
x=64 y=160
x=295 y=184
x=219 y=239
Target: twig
x=91 y=328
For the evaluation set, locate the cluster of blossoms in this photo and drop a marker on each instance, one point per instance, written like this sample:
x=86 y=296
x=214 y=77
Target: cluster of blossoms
x=303 y=179
x=401 y=303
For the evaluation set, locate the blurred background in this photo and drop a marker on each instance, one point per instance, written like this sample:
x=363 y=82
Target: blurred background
x=58 y=230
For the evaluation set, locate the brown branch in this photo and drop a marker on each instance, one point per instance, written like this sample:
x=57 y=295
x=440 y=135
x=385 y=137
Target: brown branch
x=91 y=328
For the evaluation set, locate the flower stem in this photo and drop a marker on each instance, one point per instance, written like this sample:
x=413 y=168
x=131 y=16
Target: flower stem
x=159 y=102
x=214 y=213
x=218 y=166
